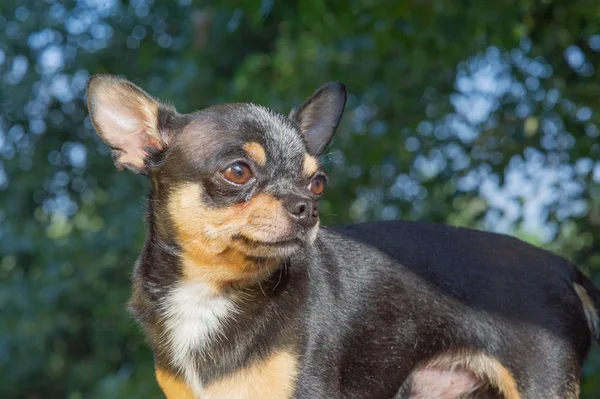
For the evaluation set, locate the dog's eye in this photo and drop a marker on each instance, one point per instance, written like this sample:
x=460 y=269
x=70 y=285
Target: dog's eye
x=238 y=173
x=317 y=185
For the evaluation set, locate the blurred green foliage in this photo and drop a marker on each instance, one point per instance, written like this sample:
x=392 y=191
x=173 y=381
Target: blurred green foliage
x=477 y=113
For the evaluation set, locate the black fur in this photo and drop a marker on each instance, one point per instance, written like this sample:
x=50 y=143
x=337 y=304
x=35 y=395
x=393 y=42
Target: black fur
x=369 y=302
x=366 y=304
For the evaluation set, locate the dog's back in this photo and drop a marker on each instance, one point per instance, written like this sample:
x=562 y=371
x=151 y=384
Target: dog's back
x=438 y=295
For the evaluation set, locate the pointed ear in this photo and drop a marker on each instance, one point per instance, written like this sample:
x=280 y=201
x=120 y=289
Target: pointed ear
x=126 y=118
x=319 y=116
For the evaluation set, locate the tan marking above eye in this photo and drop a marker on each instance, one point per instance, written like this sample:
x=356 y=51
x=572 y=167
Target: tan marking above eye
x=310 y=165
x=256 y=152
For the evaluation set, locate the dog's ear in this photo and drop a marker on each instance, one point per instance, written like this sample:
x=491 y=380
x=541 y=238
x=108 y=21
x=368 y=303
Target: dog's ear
x=320 y=114
x=127 y=119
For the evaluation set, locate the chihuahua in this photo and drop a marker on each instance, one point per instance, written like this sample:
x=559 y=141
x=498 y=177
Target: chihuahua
x=243 y=295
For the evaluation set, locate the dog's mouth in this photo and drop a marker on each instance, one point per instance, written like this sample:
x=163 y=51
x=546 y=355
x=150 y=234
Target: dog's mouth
x=270 y=249
x=281 y=243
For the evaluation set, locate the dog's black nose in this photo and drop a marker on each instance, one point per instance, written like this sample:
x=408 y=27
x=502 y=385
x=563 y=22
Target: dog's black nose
x=303 y=210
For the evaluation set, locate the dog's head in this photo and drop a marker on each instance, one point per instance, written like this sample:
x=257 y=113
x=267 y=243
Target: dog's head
x=239 y=181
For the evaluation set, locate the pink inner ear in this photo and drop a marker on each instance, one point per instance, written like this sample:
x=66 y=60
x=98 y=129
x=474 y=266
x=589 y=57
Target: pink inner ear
x=129 y=127
x=439 y=383
x=134 y=146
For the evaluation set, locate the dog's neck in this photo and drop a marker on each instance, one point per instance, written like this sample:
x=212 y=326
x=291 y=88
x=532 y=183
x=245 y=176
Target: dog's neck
x=187 y=318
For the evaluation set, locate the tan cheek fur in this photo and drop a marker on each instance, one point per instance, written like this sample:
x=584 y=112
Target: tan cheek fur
x=256 y=152
x=205 y=235
x=272 y=378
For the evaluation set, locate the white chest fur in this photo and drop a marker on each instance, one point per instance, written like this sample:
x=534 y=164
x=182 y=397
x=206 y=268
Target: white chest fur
x=194 y=317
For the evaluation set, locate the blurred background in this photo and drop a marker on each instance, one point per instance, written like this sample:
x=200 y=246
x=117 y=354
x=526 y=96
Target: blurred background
x=473 y=113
